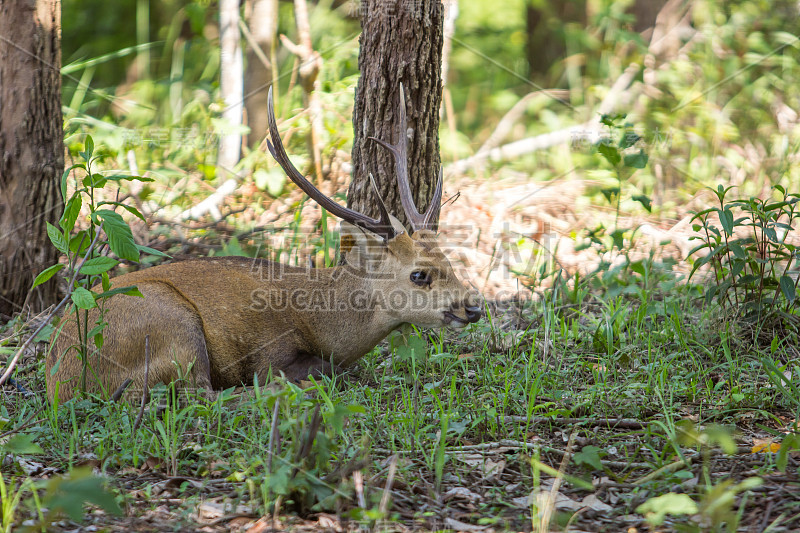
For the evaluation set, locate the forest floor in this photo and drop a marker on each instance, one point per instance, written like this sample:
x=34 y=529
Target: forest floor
x=615 y=401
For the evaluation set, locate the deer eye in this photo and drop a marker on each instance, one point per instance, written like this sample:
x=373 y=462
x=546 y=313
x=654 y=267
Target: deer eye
x=420 y=277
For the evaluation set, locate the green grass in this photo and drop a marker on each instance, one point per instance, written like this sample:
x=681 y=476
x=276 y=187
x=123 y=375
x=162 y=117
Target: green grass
x=687 y=383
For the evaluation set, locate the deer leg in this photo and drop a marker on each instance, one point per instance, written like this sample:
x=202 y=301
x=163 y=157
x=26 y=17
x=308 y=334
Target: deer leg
x=305 y=365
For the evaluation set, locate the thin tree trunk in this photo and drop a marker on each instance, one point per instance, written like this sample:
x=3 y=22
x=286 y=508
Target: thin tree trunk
x=231 y=85
x=401 y=42
x=31 y=149
x=263 y=25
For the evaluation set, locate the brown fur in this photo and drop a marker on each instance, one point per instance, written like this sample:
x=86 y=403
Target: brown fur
x=220 y=321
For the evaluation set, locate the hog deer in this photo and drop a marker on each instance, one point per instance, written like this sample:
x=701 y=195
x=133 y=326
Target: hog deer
x=222 y=320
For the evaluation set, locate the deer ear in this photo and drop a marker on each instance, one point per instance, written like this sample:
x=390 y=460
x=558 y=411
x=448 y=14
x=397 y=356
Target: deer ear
x=359 y=247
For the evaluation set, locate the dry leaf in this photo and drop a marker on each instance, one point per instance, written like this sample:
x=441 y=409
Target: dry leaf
x=211 y=510
x=174 y=483
x=456 y=525
x=542 y=500
x=489 y=468
x=461 y=493
x=765 y=445
x=29 y=467
x=262 y=525
x=592 y=502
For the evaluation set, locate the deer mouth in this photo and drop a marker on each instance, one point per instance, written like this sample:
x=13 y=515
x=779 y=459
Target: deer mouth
x=454 y=320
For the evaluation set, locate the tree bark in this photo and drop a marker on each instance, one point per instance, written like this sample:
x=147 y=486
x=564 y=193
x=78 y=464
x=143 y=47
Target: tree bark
x=263 y=24
x=401 y=42
x=31 y=149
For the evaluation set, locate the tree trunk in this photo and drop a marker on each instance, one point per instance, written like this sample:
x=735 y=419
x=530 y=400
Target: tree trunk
x=401 y=42
x=31 y=149
x=263 y=24
x=231 y=86
x=545 y=31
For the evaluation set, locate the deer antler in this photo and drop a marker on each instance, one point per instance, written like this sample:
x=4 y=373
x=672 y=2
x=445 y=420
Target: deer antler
x=417 y=220
x=381 y=226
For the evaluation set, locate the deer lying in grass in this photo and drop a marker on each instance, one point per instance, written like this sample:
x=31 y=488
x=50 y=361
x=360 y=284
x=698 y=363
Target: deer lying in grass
x=219 y=321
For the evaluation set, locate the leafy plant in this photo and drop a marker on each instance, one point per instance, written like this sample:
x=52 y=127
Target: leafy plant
x=625 y=156
x=86 y=250
x=750 y=254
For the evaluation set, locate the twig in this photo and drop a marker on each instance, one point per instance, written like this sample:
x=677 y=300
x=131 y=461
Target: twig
x=358 y=484
x=588 y=129
x=254 y=45
x=506 y=123
x=602 y=422
x=547 y=512
x=25 y=424
x=677 y=465
x=211 y=204
x=515 y=444
x=146 y=380
x=384 y=505
x=50 y=316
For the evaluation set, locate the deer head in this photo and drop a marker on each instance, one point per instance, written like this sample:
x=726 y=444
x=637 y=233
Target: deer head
x=410 y=279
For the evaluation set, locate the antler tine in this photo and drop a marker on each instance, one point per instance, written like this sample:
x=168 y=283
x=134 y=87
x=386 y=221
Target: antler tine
x=382 y=226
x=436 y=202
x=400 y=152
x=381 y=205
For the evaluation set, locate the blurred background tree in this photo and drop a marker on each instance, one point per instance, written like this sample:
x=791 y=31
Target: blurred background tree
x=31 y=144
x=711 y=87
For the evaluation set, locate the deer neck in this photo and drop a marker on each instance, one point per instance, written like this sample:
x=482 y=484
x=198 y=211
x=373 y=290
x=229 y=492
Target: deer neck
x=347 y=315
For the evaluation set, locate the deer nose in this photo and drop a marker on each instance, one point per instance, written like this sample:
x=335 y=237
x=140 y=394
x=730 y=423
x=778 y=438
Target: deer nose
x=473 y=313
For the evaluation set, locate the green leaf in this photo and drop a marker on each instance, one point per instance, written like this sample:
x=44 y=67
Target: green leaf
x=637 y=160
x=98 y=265
x=97 y=329
x=58 y=239
x=46 y=274
x=130 y=290
x=787 y=288
x=69 y=495
x=22 y=445
x=130 y=209
x=610 y=153
x=726 y=219
x=629 y=138
x=791 y=443
x=125 y=177
x=120 y=238
x=83 y=298
x=618 y=238
x=71 y=212
x=610 y=193
x=589 y=456
x=272 y=180
x=611 y=119
x=88 y=149
x=645 y=201
x=95 y=181
x=656 y=509
x=64 y=178
x=152 y=251
x=80 y=239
